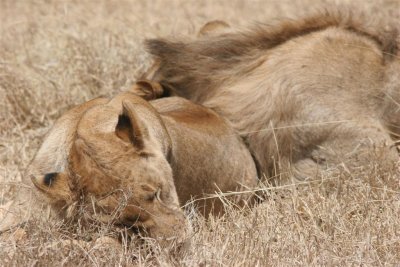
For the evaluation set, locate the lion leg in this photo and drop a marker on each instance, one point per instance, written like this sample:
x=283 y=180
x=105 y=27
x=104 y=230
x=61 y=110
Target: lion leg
x=352 y=147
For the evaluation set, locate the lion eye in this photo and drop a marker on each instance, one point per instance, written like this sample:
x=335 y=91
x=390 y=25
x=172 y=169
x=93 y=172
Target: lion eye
x=155 y=195
x=158 y=194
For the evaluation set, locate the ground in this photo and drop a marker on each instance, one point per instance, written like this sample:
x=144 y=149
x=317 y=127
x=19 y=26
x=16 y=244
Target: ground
x=55 y=54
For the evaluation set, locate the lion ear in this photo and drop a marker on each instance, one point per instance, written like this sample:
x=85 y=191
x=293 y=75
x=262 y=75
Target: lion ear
x=129 y=127
x=214 y=28
x=147 y=89
x=54 y=185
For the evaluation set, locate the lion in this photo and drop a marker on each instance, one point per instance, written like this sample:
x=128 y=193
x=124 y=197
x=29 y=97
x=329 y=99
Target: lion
x=134 y=163
x=307 y=95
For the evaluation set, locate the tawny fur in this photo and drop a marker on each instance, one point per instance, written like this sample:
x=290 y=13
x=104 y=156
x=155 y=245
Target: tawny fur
x=134 y=163
x=305 y=94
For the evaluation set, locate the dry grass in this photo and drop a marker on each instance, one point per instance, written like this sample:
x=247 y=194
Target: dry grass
x=55 y=54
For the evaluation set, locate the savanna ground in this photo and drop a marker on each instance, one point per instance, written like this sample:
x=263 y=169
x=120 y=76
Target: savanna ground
x=55 y=54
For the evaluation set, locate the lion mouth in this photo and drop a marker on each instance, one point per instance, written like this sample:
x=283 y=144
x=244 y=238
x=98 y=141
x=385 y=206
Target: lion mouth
x=133 y=224
x=132 y=229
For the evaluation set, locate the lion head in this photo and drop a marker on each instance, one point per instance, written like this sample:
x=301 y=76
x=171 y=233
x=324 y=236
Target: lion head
x=109 y=158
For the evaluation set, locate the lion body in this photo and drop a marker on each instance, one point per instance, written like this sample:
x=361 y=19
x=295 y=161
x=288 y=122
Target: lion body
x=305 y=94
x=134 y=163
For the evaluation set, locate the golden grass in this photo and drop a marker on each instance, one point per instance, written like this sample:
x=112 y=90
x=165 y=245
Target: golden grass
x=55 y=54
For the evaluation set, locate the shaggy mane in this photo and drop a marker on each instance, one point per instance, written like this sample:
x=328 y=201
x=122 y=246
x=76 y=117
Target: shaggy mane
x=199 y=64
